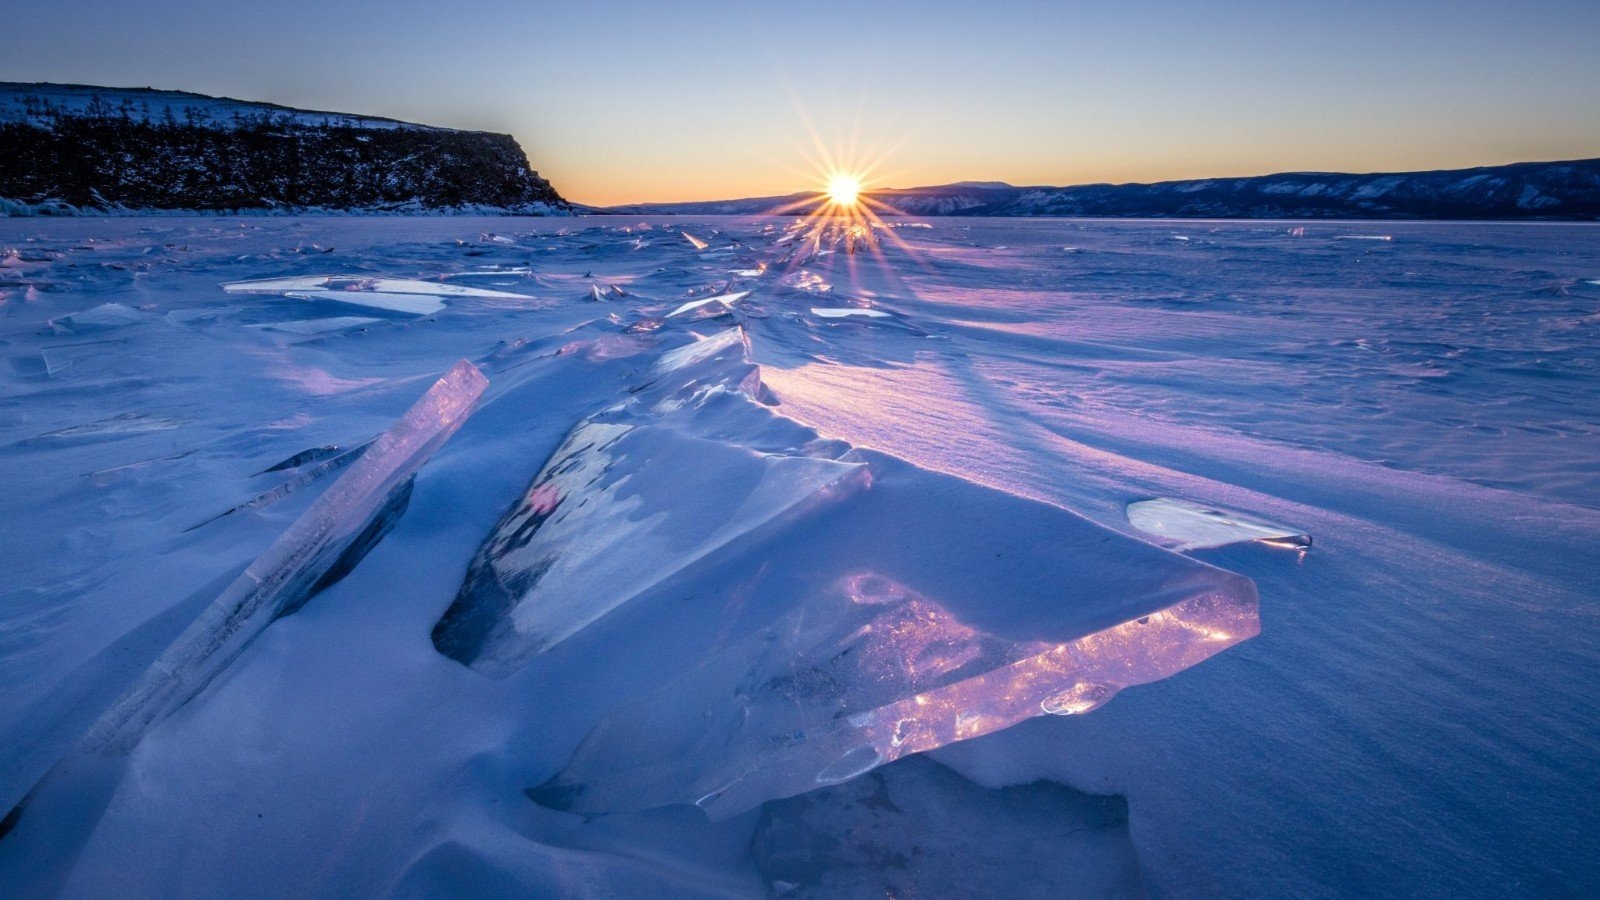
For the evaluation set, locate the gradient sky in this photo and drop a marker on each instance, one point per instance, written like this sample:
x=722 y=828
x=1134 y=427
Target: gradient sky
x=620 y=102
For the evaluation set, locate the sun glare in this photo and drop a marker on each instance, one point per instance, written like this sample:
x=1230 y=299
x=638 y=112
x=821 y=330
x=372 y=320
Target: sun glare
x=844 y=190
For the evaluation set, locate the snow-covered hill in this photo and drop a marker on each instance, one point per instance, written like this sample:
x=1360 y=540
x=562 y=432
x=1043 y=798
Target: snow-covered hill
x=1536 y=190
x=77 y=148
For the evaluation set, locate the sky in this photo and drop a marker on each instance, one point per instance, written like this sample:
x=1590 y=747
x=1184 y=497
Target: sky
x=625 y=102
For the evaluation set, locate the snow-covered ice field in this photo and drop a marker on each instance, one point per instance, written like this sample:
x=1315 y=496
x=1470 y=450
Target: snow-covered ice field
x=743 y=520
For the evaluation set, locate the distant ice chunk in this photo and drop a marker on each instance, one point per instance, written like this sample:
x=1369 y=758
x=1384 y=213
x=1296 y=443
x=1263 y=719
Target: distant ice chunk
x=1196 y=527
x=297 y=564
x=847 y=312
x=698 y=244
x=726 y=300
x=310 y=455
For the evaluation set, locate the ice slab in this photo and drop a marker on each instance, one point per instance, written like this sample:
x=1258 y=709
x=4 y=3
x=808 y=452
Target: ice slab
x=698 y=244
x=724 y=299
x=1196 y=527
x=296 y=564
x=918 y=611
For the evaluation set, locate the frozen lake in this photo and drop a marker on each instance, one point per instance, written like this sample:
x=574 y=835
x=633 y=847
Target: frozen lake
x=760 y=416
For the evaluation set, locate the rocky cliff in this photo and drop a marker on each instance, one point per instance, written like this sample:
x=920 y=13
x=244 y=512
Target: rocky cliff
x=69 y=148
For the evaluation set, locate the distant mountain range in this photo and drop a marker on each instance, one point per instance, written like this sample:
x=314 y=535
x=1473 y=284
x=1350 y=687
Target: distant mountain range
x=68 y=149
x=1536 y=190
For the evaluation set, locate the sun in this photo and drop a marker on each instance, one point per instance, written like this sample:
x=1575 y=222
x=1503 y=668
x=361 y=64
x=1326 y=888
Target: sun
x=844 y=190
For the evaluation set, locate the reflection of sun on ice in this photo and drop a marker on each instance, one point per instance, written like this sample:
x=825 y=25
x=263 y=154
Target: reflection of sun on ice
x=843 y=190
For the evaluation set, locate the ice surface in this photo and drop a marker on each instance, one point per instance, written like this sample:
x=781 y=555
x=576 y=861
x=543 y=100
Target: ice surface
x=295 y=565
x=1195 y=527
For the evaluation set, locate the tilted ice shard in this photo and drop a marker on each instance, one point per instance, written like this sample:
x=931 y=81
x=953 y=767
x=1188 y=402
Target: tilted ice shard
x=617 y=509
x=1195 y=527
x=919 y=611
x=349 y=514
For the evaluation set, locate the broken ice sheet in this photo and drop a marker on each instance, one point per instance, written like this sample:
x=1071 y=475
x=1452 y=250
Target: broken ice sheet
x=1196 y=527
x=296 y=565
x=918 y=611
